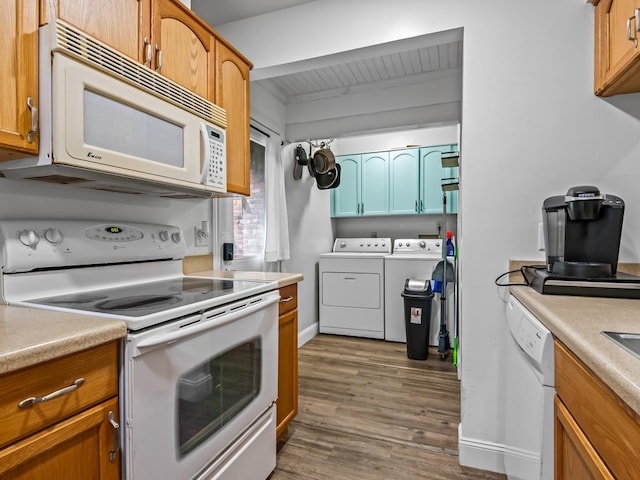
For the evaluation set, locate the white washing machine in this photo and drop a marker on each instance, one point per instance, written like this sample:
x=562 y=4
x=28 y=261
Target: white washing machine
x=351 y=287
x=412 y=258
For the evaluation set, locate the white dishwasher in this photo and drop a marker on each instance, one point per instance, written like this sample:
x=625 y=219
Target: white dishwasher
x=529 y=396
x=351 y=287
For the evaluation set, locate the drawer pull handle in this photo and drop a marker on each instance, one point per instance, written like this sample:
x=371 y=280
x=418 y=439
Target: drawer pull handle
x=116 y=436
x=287 y=299
x=28 y=402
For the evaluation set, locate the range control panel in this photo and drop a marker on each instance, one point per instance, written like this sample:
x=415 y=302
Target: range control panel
x=36 y=244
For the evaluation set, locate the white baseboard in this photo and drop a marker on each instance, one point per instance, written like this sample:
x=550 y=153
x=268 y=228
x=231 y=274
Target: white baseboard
x=308 y=333
x=480 y=454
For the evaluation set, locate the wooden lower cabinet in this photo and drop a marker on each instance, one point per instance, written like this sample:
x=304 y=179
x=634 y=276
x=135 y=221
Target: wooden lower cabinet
x=79 y=448
x=287 y=403
x=596 y=433
x=575 y=456
x=74 y=435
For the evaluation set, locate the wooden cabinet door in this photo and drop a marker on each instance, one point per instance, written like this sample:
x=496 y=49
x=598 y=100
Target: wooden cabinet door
x=404 y=182
x=617 y=59
x=575 y=457
x=183 y=47
x=18 y=77
x=121 y=24
x=346 y=198
x=287 y=403
x=232 y=94
x=374 y=171
x=75 y=449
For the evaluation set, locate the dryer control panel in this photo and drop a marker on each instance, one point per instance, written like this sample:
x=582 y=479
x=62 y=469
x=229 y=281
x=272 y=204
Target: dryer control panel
x=362 y=245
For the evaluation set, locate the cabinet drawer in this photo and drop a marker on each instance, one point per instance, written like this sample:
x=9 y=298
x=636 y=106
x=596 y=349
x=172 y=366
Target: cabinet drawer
x=610 y=425
x=288 y=299
x=97 y=366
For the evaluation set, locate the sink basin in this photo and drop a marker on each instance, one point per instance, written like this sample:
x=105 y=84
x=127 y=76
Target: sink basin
x=629 y=341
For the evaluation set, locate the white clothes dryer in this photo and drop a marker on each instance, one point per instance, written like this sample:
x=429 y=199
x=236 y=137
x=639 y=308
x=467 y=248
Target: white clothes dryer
x=351 y=287
x=412 y=258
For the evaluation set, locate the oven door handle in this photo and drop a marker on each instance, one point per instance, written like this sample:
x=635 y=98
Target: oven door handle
x=228 y=316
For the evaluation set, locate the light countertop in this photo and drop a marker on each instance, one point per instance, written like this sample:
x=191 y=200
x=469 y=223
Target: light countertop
x=29 y=336
x=578 y=322
x=282 y=278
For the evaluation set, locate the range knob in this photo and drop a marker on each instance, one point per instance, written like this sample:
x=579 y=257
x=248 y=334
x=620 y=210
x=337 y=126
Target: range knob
x=164 y=235
x=176 y=237
x=53 y=236
x=29 y=238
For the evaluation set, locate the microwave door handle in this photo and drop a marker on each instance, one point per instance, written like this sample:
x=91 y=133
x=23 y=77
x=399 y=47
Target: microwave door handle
x=207 y=324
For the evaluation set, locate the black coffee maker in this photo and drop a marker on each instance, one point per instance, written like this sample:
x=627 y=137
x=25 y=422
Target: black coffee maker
x=582 y=232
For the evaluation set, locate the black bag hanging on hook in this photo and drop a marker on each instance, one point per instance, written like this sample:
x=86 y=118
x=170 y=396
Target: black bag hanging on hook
x=300 y=161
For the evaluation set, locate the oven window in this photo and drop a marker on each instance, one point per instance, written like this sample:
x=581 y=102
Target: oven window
x=214 y=392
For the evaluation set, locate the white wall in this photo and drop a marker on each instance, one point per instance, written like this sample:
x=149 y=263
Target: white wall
x=531 y=128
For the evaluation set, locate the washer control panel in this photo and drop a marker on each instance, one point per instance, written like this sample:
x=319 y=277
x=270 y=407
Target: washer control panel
x=427 y=246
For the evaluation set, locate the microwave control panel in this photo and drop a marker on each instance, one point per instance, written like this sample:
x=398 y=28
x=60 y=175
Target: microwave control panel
x=214 y=174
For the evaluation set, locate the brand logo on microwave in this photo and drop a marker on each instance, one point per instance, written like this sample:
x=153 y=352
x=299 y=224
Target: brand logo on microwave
x=93 y=155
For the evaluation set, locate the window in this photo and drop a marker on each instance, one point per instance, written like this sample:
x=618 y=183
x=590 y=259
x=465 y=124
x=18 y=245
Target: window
x=249 y=212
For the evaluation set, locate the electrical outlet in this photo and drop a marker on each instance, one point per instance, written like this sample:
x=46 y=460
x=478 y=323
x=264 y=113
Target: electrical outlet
x=201 y=234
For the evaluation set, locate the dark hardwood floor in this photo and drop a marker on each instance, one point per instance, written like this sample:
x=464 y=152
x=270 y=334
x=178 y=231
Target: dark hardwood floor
x=367 y=412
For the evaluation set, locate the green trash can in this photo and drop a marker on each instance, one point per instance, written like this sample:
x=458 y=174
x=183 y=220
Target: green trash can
x=418 y=299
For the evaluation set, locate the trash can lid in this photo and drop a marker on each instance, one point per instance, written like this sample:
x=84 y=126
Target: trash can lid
x=415 y=285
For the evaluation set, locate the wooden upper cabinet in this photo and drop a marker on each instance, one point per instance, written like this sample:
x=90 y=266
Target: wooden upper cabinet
x=121 y=24
x=617 y=53
x=161 y=34
x=183 y=47
x=232 y=94
x=18 y=77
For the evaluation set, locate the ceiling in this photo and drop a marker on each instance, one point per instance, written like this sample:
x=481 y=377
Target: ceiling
x=219 y=12
x=401 y=62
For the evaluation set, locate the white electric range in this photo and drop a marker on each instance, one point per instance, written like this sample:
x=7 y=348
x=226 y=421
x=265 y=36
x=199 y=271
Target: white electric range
x=199 y=367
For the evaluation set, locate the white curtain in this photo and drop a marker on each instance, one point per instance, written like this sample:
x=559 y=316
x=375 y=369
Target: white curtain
x=277 y=241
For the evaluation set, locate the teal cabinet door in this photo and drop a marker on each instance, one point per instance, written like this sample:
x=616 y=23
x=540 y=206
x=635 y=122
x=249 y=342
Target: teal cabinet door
x=345 y=200
x=431 y=175
x=375 y=183
x=404 y=182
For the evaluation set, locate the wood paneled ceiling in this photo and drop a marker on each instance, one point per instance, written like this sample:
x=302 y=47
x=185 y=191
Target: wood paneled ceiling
x=337 y=78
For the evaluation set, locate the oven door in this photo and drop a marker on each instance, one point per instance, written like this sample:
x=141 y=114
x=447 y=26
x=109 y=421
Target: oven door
x=194 y=386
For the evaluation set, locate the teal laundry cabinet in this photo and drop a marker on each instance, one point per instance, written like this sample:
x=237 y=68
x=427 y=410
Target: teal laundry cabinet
x=364 y=185
x=395 y=182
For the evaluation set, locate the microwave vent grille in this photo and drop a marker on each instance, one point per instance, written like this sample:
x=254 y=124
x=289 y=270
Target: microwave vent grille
x=93 y=52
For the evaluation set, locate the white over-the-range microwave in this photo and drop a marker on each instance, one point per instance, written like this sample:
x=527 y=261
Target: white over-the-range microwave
x=109 y=123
